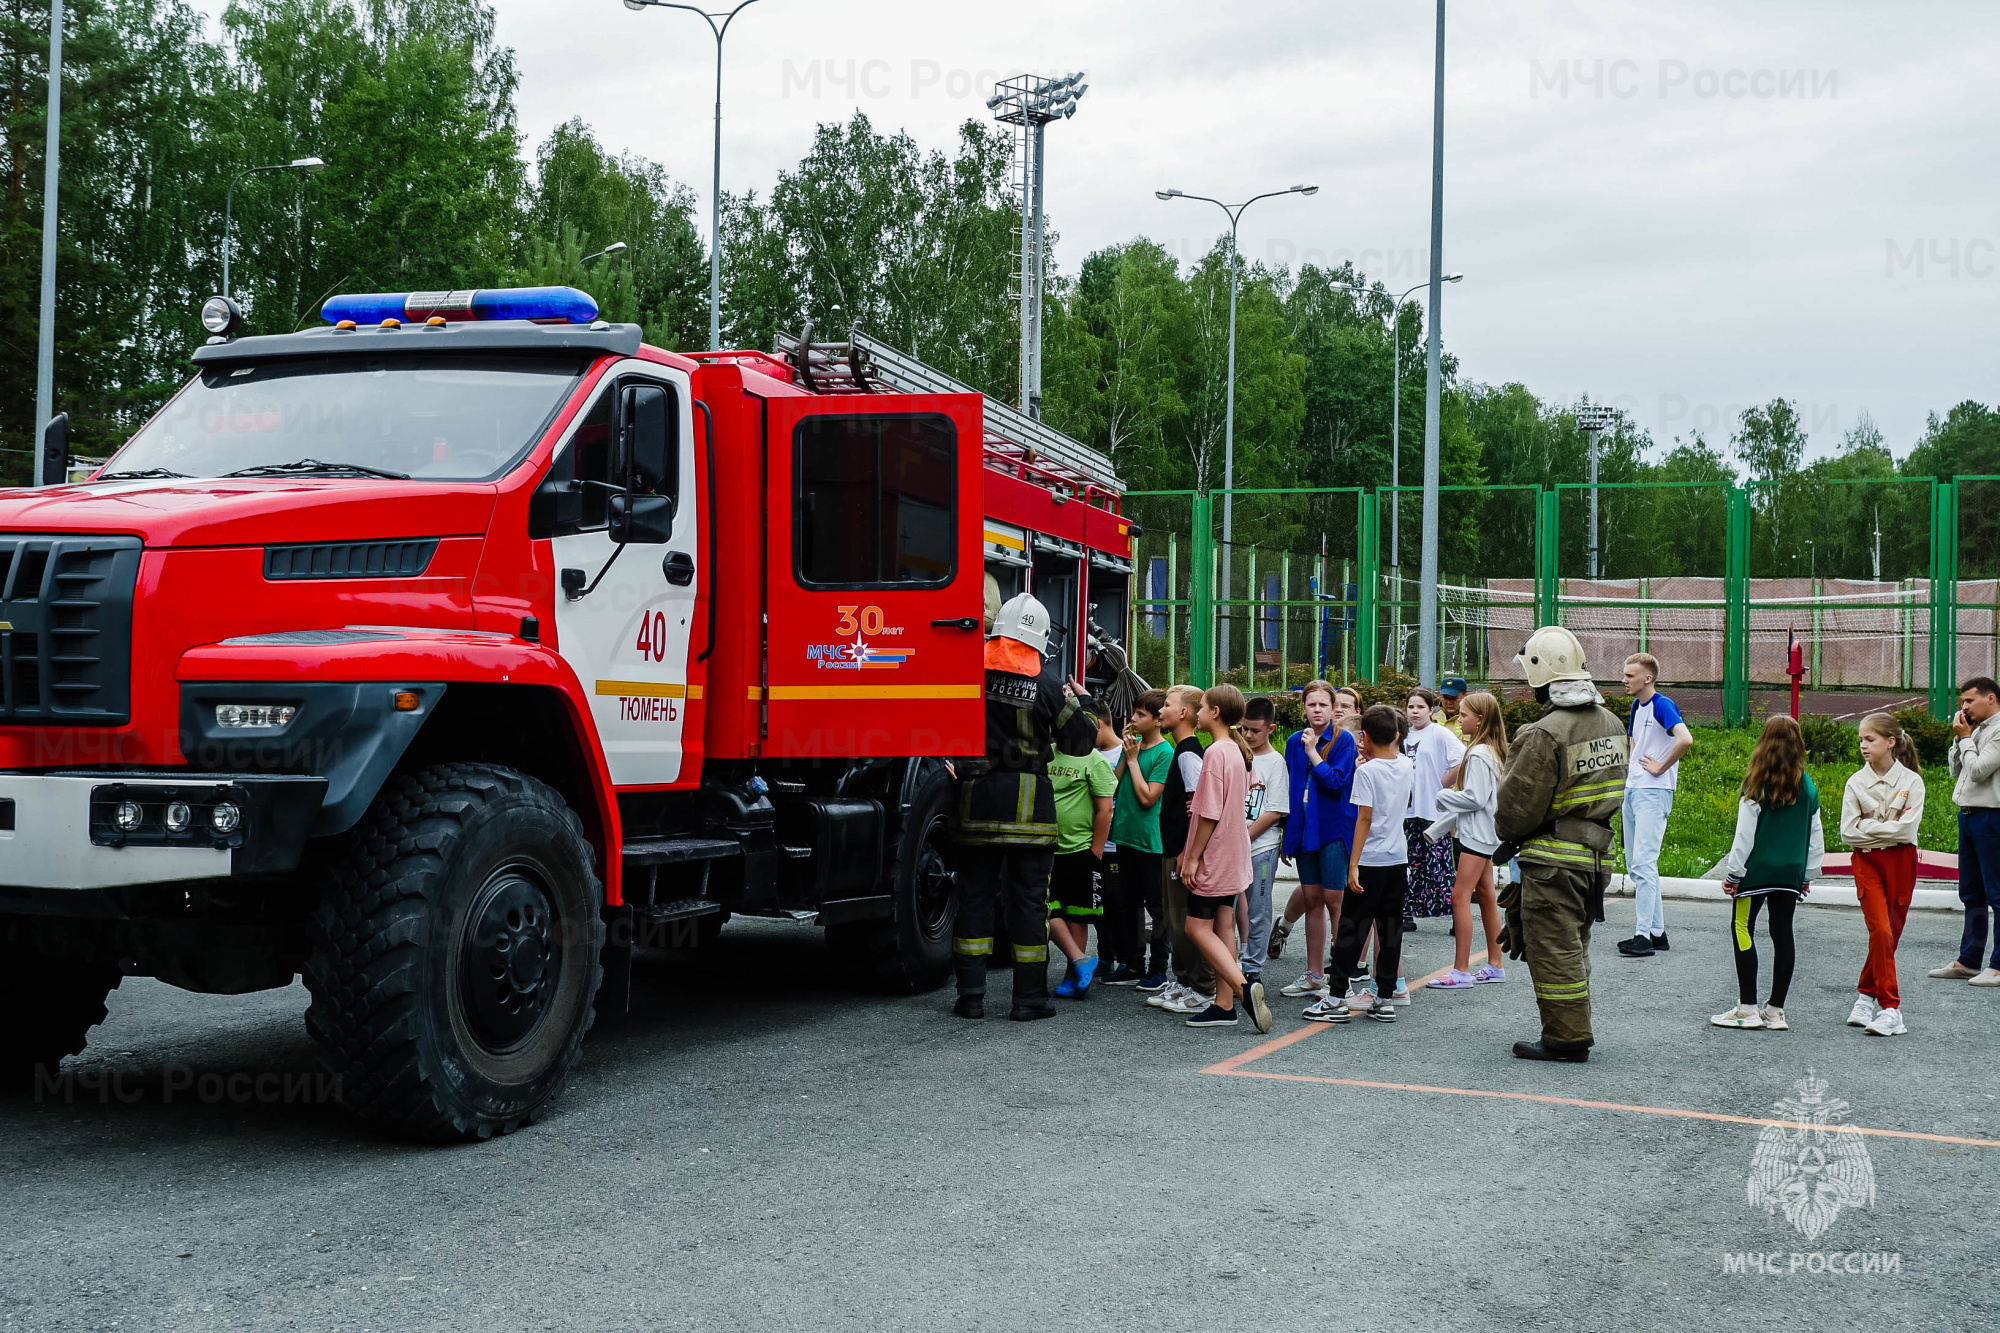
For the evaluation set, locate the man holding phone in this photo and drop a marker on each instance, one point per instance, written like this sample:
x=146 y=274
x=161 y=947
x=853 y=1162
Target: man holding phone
x=1975 y=771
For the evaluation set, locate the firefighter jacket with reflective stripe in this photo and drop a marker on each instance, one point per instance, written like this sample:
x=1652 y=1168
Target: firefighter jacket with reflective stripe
x=1565 y=778
x=1006 y=798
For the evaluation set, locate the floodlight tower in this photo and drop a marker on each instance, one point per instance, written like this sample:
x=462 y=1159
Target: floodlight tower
x=1029 y=102
x=1593 y=421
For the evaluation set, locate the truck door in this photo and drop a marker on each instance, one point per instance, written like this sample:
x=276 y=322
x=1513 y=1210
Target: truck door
x=627 y=637
x=876 y=588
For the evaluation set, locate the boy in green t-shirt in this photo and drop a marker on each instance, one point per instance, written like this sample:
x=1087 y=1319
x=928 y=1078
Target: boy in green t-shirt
x=1084 y=785
x=1135 y=827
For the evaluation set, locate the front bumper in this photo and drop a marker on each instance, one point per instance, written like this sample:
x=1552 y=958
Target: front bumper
x=61 y=835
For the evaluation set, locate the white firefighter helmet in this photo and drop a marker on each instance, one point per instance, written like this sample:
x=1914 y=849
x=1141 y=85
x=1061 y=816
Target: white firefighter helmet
x=1025 y=620
x=1552 y=653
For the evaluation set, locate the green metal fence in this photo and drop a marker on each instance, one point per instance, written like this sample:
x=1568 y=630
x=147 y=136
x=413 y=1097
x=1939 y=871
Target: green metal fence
x=1713 y=578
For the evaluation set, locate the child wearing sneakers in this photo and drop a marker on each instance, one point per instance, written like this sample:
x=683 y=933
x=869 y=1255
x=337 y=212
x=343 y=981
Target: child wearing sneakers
x=1264 y=809
x=1776 y=855
x=1880 y=812
x=1193 y=986
x=1469 y=807
x=1084 y=785
x=1216 y=863
x=1378 y=864
x=1135 y=825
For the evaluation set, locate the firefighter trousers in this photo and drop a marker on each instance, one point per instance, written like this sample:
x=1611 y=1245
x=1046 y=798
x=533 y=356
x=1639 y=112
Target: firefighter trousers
x=1555 y=926
x=1013 y=879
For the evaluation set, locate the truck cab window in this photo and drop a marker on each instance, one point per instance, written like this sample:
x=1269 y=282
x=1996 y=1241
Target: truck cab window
x=555 y=512
x=875 y=501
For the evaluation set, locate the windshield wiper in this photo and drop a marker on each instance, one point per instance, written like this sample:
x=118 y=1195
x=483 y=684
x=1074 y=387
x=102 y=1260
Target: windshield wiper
x=138 y=474
x=307 y=466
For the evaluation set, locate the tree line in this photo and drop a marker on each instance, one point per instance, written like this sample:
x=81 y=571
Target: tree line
x=411 y=104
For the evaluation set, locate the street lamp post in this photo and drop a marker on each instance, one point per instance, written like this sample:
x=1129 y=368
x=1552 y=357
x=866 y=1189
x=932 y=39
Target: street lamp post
x=45 y=353
x=229 y=199
x=715 y=188
x=1235 y=216
x=1594 y=421
x=1396 y=446
x=1427 y=587
x=610 y=249
x=1030 y=103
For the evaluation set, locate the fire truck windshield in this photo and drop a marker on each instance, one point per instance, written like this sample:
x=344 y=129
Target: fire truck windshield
x=434 y=417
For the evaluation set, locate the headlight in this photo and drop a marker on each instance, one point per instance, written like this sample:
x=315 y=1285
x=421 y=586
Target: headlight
x=221 y=316
x=179 y=816
x=129 y=815
x=266 y=716
x=225 y=817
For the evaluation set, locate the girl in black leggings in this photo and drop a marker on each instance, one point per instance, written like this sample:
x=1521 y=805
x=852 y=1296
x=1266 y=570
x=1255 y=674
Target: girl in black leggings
x=1776 y=855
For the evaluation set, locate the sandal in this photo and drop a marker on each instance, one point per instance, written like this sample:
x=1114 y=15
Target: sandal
x=1452 y=980
x=1489 y=974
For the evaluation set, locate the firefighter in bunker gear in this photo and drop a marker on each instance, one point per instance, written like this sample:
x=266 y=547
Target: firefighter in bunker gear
x=1005 y=820
x=1565 y=778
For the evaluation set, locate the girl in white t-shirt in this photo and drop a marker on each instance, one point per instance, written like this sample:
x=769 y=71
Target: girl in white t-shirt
x=1435 y=751
x=1469 y=807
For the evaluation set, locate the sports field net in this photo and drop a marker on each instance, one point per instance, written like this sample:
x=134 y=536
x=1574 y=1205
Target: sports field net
x=1855 y=634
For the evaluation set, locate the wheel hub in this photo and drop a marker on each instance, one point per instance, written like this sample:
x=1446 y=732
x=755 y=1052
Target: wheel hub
x=936 y=881
x=510 y=959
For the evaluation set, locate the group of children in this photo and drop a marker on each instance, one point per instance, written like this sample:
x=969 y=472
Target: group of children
x=1368 y=804
x=1172 y=850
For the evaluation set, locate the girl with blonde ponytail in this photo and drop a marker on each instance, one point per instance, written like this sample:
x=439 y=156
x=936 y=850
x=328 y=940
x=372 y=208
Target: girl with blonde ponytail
x=1880 y=812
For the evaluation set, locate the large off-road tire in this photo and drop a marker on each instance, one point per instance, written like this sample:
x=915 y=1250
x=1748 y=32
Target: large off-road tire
x=51 y=1005
x=910 y=950
x=455 y=953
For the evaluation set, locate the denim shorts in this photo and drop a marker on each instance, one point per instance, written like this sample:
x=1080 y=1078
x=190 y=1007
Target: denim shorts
x=1326 y=867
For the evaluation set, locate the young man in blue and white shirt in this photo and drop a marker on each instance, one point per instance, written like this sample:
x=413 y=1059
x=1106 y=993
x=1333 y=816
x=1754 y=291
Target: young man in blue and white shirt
x=1659 y=739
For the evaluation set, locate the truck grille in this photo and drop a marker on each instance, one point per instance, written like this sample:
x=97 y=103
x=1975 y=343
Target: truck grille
x=66 y=629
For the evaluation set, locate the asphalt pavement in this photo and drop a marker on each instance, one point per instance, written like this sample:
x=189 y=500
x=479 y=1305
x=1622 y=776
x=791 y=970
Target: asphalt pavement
x=760 y=1147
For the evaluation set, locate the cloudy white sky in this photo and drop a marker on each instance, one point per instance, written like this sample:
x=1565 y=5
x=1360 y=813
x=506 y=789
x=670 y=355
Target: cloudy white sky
x=1682 y=208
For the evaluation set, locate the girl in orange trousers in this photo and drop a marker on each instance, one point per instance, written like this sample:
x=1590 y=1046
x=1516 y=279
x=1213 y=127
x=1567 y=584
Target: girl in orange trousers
x=1880 y=812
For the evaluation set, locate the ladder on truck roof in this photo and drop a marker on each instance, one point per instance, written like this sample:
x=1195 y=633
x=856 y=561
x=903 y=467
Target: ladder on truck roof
x=864 y=364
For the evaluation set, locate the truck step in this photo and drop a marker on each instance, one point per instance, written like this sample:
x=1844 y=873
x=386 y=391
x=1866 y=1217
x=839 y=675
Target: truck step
x=680 y=909
x=676 y=851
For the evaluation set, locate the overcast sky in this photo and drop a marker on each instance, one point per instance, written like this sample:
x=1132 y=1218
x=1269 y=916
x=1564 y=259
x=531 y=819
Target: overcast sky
x=1679 y=208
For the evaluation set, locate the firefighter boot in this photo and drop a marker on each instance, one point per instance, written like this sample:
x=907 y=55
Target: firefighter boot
x=1031 y=991
x=971 y=972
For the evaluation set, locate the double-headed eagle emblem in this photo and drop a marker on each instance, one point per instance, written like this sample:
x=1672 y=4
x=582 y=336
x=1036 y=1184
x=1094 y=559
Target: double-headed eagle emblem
x=1813 y=1166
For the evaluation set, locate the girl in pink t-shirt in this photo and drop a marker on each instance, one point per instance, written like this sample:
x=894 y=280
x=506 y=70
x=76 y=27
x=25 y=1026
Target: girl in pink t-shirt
x=1215 y=865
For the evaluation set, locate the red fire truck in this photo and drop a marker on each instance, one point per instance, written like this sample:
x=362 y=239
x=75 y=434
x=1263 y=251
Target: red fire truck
x=448 y=653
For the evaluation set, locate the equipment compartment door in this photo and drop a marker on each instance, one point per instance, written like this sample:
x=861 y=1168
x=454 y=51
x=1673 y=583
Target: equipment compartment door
x=874 y=643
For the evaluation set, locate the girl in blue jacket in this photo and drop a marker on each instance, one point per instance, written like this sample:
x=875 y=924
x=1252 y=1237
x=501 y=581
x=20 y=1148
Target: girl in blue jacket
x=1320 y=764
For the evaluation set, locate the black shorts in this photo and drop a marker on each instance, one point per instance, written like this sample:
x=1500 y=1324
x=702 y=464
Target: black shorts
x=1463 y=850
x=1076 y=886
x=1205 y=907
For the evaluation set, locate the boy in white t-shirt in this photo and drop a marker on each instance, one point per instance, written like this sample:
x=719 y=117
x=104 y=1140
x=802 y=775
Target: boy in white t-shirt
x=1378 y=865
x=1659 y=739
x=1265 y=809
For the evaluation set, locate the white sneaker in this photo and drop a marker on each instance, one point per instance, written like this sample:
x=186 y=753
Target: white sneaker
x=1774 y=1018
x=1164 y=996
x=1310 y=983
x=1864 y=1011
x=1990 y=977
x=1190 y=1001
x=1742 y=1016
x=1888 y=1023
x=1359 y=997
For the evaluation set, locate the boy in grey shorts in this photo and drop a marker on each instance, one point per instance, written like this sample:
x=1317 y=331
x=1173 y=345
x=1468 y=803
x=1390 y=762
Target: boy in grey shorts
x=1265 y=808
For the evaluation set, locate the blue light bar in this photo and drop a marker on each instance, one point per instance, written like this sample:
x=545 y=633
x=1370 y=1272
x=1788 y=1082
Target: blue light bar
x=538 y=303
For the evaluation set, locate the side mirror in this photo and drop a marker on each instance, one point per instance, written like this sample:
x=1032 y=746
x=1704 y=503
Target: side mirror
x=54 y=469
x=643 y=519
x=644 y=458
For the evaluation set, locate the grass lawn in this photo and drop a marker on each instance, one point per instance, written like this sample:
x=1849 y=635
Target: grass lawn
x=1704 y=817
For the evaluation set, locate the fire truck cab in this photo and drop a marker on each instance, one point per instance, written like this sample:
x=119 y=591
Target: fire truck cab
x=450 y=653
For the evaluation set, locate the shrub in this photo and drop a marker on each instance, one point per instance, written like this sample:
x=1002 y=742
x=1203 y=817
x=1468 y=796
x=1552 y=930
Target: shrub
x=1829 y=741
x=1932 y=737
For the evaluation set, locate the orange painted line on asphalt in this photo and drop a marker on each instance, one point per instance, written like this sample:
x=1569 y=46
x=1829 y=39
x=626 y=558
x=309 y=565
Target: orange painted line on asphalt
x=1234 y=1067
x=1673 y=1111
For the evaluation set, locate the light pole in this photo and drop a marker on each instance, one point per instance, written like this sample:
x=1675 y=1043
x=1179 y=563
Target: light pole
x=715 y=188
x=1235 y=215
x=45 y=353
x=1427 y=589
x=610 y=249
x=1593 y=421
x=1029 y=102
x=229 y=199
